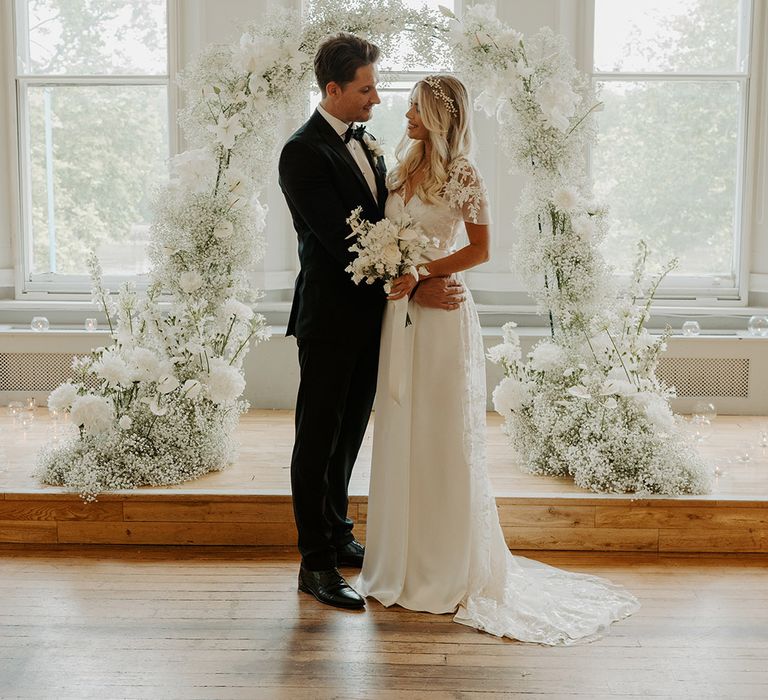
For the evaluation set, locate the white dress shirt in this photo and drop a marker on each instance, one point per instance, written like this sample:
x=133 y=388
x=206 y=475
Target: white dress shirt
x=355 y=148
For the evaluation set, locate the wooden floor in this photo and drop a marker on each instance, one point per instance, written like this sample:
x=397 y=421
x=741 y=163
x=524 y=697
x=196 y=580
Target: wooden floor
x=209 y=623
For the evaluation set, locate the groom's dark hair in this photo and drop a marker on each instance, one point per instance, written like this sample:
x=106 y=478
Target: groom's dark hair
x=339 y=56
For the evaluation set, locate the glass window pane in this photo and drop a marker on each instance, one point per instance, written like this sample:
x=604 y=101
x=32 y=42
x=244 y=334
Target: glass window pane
x=95 y=153
x=694 y=36
x=396 y=62
x=388 y=123
x=92 y=38
x=666 y=163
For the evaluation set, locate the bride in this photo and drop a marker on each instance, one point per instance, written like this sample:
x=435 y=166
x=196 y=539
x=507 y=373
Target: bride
x=434 y=542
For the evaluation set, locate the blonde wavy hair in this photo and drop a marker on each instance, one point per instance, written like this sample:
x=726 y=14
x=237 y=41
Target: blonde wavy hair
x=443 y=105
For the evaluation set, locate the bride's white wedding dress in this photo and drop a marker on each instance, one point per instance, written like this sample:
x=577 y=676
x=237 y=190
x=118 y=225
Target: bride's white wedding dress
x=433 y=538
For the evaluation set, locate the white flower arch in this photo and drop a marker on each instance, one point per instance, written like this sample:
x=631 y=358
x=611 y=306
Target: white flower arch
x=176 y=422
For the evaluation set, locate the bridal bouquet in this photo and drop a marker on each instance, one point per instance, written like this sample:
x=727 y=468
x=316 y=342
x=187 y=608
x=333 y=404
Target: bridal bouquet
x=385 y=250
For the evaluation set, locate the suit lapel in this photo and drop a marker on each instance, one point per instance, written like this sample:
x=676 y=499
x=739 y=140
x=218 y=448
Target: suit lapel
x=379 y=169
x=332 y=139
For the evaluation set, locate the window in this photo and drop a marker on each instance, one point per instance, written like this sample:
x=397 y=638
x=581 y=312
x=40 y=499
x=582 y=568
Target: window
x=92 y=83
x=674 y=78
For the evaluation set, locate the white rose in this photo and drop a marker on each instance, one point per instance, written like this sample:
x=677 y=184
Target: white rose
x=113 y=370
x=62 y=397
x=523 y=70
x=506 y=352
x=225 y=383
x=125 y=422
x=93 y=413
x=510 y=396
x=373 y=146
x=195 y=169
x=145 y=364
x=391 y=255
x=546 y=357
x=584 y=227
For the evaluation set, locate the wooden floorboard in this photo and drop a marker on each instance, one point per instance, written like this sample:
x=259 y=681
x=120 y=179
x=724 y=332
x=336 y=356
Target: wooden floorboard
x=227 y=622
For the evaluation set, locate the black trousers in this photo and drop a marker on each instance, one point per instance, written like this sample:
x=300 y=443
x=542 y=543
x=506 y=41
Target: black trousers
x=336 y=392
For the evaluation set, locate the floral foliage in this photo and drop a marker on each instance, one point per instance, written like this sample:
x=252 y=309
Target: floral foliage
x=586 y=402
x=385 y=250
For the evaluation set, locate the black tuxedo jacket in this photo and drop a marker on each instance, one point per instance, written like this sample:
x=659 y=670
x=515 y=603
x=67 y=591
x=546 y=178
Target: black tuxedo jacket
x=322 y=184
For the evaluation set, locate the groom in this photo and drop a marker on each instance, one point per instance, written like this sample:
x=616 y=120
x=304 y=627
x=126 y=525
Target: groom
x=327 y=169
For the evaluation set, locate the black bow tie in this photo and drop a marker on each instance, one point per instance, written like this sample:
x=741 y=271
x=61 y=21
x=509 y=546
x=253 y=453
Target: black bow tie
x=354 y=132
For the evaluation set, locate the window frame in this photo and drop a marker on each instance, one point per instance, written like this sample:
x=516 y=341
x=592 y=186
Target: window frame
x=73 y=287
x=702 y=290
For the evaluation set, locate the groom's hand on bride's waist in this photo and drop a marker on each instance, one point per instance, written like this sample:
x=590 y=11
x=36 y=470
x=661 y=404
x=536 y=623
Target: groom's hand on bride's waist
x=439 y=293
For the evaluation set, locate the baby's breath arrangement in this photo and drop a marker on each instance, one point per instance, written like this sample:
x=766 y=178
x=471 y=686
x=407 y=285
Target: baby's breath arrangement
x=586 y=402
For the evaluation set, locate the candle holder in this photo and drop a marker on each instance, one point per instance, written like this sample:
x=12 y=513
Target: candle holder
x=39 y=324
x=691 y=328
x=758 y=326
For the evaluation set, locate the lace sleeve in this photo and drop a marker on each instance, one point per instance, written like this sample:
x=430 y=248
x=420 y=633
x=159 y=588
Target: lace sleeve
x=466 y=191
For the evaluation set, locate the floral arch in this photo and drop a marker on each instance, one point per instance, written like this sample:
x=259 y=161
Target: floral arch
x=160 y=405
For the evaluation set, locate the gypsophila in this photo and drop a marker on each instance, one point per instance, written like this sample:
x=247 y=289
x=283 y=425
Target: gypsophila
x=586 y=402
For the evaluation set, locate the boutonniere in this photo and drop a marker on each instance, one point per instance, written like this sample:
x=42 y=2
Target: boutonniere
x=373 y=145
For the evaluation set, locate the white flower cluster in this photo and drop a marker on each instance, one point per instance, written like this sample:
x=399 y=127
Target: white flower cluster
x=587 y=401
x=591 y=406
x=385 y=250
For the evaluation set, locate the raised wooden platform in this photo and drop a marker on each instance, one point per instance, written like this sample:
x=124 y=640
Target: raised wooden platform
x=249 y=503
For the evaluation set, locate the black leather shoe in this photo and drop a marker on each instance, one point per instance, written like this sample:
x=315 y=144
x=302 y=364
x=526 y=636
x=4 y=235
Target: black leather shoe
x=329 y=587
x=350 y=554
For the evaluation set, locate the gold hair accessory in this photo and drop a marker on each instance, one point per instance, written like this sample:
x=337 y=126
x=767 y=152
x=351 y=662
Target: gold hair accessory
x=437 y=89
